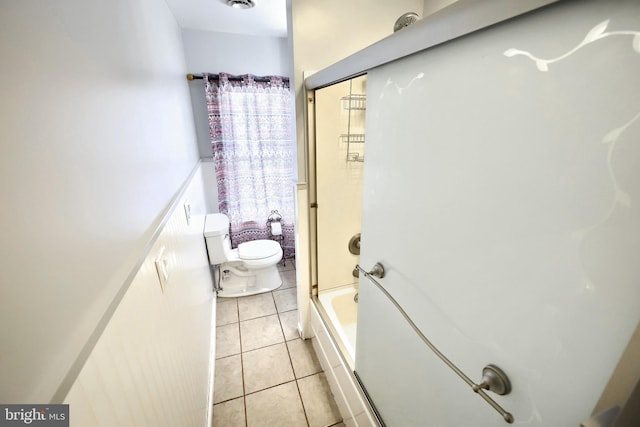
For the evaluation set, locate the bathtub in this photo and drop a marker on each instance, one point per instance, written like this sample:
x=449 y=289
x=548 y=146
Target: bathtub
x=333 y=320
x=342 y=313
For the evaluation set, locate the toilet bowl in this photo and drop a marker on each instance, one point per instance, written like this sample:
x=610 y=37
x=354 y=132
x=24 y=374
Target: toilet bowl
x=250 y=269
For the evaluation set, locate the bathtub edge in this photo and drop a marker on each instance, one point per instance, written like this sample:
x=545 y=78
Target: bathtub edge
x=352 y=403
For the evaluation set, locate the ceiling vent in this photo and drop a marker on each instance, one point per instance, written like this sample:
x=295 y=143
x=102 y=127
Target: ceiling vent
x=240 y=4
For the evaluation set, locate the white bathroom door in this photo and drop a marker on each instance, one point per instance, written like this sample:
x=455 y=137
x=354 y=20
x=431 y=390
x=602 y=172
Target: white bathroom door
x=501 y=194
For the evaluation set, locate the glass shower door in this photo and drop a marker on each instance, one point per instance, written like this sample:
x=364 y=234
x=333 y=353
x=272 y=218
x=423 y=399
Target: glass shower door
x=339 y=155
x=499 y=195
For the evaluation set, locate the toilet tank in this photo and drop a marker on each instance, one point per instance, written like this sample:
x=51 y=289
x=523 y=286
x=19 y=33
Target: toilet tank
x=216 y=235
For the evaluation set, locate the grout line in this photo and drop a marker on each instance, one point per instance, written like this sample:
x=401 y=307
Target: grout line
x=304 y=409
x=244 y=404
x=229 y=400
x=286 y=344
x=275 y=304
x=284 y=337
x=259 y=317
x=263 y=347
x=226 y=357
x=298 y=387
x=244 y=390
x=295 y=378
x=268 y=388
x=310 y=375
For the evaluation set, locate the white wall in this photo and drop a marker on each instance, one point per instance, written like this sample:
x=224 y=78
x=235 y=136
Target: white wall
x=211 y=52
x=97 y=137
x=328 y=31
x=432 y=6
x=210 y=185
x=151 y=364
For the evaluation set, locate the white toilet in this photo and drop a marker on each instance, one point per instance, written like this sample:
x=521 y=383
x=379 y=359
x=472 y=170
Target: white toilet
x=250 y=269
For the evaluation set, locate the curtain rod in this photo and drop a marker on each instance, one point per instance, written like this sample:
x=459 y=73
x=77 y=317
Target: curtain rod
x=235 y=79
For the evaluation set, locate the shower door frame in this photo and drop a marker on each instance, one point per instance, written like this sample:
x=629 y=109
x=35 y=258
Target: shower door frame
x=312 y=167
x=312 y=292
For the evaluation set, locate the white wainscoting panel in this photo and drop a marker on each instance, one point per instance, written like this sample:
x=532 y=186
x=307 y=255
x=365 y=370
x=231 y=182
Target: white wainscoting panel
x=151 y=366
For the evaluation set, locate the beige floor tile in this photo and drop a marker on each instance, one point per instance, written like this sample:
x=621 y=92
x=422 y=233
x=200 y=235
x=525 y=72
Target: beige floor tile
x=228 y=379
x=290 y=264
x=288 y=279
x=256 y=306
x=318 y=401
x=229 y=414
x=227 y=340
x=304 y=359
x=260 y=332
x=277 y=406
x=286 y=299
x=226 y=312
x=289 y=322
x=266 y=367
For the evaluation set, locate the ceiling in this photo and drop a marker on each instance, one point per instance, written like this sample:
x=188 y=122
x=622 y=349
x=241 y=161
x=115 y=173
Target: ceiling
x=267 y=18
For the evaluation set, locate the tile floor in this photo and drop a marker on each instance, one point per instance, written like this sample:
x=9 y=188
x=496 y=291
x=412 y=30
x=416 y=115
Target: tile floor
x=265 y=375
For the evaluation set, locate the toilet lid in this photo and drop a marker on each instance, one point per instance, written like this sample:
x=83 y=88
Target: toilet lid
x=258 y=249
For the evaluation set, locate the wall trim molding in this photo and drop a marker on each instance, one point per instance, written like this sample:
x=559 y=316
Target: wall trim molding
x=160 y=223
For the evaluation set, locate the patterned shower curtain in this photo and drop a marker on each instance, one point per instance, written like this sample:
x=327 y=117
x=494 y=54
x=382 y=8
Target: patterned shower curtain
x=254 y=154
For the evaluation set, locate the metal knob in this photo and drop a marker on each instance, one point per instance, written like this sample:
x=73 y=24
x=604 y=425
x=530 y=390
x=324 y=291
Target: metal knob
x=354 y=244
x=376 y=271
x=494 y=379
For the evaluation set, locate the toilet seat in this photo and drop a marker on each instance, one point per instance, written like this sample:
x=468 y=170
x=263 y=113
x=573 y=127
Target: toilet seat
x=258 y=249
x=259 y=253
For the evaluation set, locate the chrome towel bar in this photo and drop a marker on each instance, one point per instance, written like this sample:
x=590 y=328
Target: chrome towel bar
x=493 y=378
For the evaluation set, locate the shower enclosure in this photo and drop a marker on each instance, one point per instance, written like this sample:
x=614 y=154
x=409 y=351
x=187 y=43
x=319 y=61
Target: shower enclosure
x=339 y=159
x=500 y=194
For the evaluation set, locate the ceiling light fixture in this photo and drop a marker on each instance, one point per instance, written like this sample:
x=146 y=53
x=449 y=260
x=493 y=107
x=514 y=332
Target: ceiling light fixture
x=241 y=4
x=405 y=20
